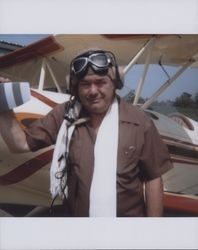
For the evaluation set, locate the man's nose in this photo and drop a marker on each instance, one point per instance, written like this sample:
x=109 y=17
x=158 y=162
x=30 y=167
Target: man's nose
x=93 y=89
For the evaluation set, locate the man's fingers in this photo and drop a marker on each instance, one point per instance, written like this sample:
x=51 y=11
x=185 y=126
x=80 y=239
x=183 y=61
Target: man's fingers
x=3 y=79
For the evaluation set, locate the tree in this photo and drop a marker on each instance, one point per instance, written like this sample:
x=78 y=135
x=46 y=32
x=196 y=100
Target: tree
x=130 y=97
x=196 y=98
x=184 y=100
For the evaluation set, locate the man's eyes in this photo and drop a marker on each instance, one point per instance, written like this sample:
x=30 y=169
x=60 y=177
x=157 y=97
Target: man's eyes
x=84 y=83
x=99 y=82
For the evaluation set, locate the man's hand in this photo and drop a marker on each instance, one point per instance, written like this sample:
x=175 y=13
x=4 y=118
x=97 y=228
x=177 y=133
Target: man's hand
x=3 y=79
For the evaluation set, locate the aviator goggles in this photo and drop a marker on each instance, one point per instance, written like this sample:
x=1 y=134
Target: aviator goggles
x=99 y=61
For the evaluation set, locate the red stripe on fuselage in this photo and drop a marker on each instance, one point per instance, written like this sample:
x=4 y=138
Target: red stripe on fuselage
x=181 y=203
x=43 y=98
x=26 y=169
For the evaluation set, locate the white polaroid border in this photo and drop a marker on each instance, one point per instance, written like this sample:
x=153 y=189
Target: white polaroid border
x=98 y=16
x=98 y=233
x=85 y=17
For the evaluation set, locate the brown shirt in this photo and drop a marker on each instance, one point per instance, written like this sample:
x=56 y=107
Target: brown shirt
x=141 y=156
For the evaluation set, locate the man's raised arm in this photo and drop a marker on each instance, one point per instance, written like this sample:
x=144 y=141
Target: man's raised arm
x=11 y=131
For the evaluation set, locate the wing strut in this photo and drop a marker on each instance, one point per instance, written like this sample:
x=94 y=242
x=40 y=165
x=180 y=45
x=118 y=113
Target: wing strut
x=137 y=56
x=142 y=78
x=167 y=84
x=45 y=65
x=54 y=78
x=42 y=74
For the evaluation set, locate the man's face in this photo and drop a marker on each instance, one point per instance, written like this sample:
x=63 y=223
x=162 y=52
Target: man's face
x=96 y=93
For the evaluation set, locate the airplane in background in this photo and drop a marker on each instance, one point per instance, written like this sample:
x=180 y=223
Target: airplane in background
x=24 y=178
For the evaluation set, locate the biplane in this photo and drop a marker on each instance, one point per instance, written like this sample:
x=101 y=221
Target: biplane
x=24 y=178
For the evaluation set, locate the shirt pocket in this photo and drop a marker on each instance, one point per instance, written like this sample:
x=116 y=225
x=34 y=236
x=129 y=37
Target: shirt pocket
x=127 y=159
x=129 y=149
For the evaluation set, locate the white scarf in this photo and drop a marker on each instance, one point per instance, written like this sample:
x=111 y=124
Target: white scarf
x=58 y=170
x=103 y=187
x=58 y=178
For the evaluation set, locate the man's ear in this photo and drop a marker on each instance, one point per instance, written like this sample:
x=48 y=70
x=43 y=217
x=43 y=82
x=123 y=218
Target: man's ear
x=121 y=73
x=119 y=77
x=67 y=79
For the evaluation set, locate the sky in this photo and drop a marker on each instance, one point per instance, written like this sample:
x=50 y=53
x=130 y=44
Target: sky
x=22 y=39
x=187 y=82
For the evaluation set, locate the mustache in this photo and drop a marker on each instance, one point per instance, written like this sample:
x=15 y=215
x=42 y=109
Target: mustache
x=92 y=97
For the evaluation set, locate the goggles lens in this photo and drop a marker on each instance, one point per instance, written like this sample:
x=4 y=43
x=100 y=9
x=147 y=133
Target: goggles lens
x=79 y=64
x=99 y=60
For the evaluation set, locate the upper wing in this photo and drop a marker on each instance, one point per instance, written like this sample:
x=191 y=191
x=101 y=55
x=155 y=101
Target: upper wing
x=54 y=53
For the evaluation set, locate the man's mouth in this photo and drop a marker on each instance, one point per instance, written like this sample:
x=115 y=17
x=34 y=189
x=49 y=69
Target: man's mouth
x=94 y=101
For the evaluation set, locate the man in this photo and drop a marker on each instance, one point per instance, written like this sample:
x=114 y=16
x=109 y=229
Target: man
x=109 y=157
